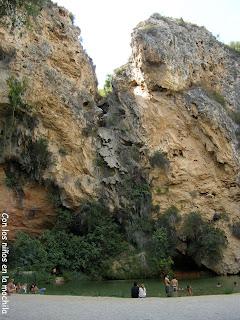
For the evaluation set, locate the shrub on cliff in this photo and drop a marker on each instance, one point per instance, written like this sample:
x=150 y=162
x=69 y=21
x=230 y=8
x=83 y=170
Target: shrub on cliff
x=28 y=7
x=158 y=159
x=204 y=241
x=19 y=11
x=236 y=229
x=16 y=115
x=36 y=157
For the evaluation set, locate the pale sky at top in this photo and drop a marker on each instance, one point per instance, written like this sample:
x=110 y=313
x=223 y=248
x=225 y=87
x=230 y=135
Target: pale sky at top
x=106 y=25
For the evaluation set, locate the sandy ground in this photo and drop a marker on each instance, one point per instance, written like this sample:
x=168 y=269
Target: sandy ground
x=37 y=307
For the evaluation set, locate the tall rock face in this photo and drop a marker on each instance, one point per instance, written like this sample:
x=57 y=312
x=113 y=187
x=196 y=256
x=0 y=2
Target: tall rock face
x=60 y=93
x=165 y=136
x=184 y=88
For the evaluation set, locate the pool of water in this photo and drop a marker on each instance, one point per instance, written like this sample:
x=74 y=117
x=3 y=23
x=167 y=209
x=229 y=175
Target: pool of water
x=155 y=287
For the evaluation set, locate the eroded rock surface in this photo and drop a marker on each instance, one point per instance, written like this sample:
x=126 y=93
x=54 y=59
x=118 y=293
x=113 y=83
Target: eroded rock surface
x=183 y=88
x=61 y=89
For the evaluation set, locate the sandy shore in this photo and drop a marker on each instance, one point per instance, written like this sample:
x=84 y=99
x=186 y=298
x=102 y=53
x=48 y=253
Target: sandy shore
x=37 y=307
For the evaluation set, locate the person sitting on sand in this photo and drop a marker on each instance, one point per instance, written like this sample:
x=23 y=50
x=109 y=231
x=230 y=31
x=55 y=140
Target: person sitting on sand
x=11 y=288
x=142 y=291
x=135 y=290
x=189 y=290
x=18 y=287
x=33 y=288
x=24 y=288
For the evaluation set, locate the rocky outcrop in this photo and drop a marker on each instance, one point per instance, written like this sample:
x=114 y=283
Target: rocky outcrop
x=165 y=136
x=184 y=87
x=30 y=208
x=61 y=89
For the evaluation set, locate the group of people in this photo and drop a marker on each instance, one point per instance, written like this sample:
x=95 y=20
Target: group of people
x=172 y=288
x=13 y=287
x=138 y=290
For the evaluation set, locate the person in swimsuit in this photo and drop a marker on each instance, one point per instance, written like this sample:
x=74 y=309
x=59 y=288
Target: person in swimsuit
x=174 y=285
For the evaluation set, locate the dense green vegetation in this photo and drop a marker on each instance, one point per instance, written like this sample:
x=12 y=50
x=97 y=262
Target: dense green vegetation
x=204 y=241
x=76 y=243
x=235 y=45
x=90 y=241
x=107 y=88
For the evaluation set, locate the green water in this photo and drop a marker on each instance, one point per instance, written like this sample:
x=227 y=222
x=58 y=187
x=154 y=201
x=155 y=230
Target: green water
x=155 y=288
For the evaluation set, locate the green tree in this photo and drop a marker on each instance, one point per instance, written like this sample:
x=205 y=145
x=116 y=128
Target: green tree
x=27 y=252
x=159 y=254
x=204 y=241
x=235 y=45
x=169 y=220
x=107 y=88
x=87 y=250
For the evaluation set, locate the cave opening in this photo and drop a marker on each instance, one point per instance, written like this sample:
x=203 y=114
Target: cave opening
x=186 y=264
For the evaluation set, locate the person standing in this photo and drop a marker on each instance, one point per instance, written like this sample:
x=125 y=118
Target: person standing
x=11 y=288
x=167 y=285
x=189 y=290
x=174 y=285
x=135 y=290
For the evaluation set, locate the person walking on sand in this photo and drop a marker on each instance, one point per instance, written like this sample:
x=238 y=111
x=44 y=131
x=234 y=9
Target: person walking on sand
x=167 y=285
x=142 y=291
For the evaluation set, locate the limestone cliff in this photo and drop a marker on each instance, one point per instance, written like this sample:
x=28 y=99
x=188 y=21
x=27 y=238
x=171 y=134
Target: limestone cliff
x=61 y=89
x=176 y=99
x=184 y=87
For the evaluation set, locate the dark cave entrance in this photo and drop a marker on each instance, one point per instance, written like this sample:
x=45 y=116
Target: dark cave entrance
x=186 y=265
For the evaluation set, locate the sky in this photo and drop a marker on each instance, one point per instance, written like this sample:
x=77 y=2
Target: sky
x=106 y=25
